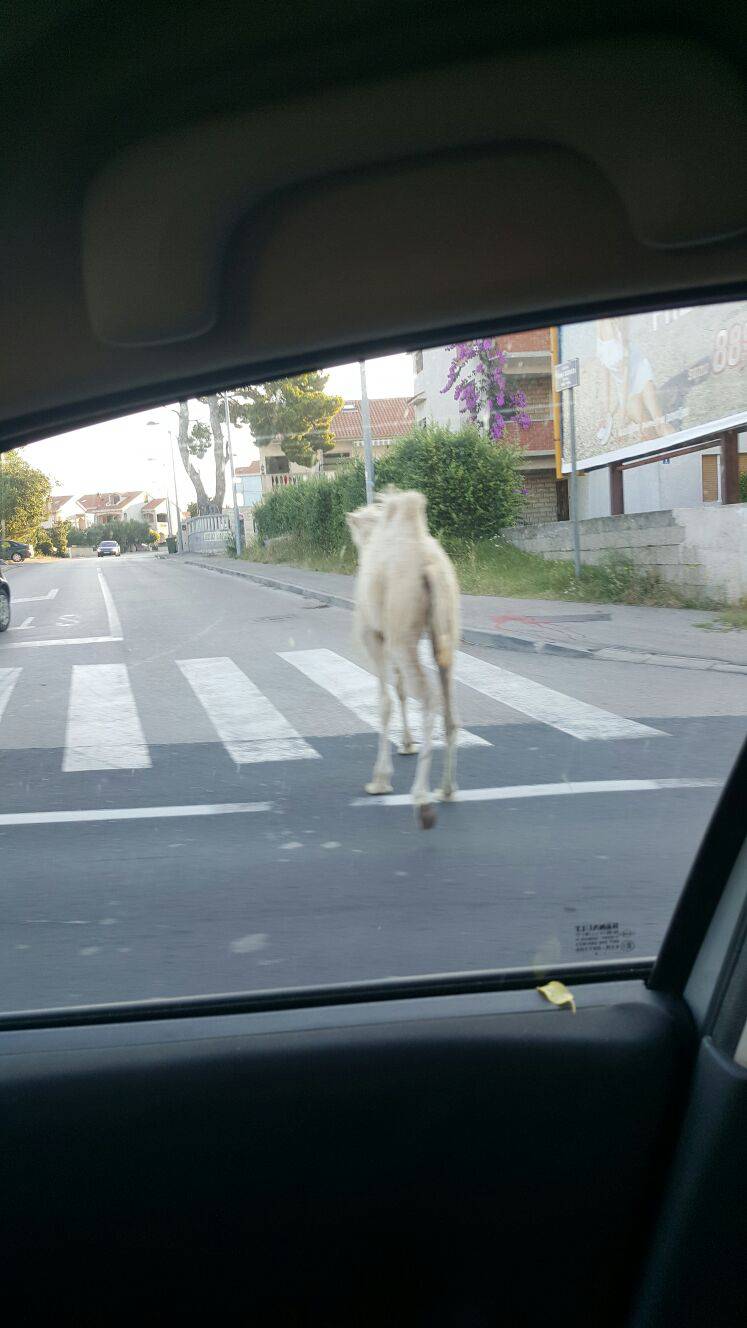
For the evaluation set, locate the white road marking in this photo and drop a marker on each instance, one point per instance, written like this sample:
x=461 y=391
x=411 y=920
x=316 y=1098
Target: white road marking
x=357 y=690
x=248 y=725
x=103 y=727
x=132 y=813
x=512 y=792
x=115 y=626
x=34 y=599
x=22 y=627
x=577 y=718
x=64 y=641
x=8 y=680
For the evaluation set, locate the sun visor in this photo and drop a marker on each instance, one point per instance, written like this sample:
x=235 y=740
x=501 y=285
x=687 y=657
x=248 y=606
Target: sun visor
x=646 y=115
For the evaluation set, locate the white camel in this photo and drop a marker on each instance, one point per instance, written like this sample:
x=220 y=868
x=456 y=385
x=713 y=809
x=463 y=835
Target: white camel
x=407 y=587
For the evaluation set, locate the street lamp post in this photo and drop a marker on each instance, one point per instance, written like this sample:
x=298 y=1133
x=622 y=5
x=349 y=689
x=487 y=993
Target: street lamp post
x=236 y=519
x=179 y=540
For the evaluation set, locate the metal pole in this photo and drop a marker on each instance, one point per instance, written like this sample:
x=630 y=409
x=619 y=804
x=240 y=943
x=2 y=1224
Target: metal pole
x=237 y=522
x=168 y=506
x=179 y=540
x=574 y=487
x=367 y=447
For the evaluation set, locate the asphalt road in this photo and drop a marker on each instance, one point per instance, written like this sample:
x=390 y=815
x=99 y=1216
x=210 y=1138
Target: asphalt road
x=225 y=732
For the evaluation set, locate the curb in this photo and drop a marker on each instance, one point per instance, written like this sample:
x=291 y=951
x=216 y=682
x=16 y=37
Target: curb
x=476 y=636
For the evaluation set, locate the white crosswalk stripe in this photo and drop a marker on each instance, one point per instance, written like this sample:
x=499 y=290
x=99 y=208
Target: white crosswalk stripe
x=357 y=690
x=8 y=680
x=103 y=728
x=248 y=725
x=576 y=718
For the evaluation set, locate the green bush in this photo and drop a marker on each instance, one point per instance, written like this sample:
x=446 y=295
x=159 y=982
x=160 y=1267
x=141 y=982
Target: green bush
x=128 y=535
x=59 y=536
x=473 y=487
x=743 y=487
x=43 y=543
x=314 y=508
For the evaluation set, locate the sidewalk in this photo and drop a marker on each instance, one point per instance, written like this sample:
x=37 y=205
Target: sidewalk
x=627 y=633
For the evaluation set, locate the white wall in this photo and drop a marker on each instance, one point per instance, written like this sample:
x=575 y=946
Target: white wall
x=436 y=408
x=703 y=550
x=653 y=488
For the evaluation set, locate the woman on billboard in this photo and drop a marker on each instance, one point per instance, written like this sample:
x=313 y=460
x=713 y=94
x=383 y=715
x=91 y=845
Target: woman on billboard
x=630 y=389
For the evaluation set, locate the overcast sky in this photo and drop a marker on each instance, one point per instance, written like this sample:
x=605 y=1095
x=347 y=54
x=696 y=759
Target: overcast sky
x=131 y=453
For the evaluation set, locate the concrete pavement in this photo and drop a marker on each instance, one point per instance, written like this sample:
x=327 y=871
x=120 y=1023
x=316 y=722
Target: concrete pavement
x=680 y=638
x=182 y=759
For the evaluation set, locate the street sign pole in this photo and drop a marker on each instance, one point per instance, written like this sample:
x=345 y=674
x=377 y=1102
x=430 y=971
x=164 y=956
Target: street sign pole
x=566 y=379
x=574 y=487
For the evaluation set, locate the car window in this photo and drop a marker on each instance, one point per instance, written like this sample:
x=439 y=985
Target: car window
x=195 y=799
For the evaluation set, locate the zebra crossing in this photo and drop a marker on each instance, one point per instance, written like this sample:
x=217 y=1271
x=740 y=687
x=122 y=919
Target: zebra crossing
x=103 y=729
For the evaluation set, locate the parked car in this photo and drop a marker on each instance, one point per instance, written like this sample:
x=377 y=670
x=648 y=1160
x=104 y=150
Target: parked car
x=4 y=603
x=16 y=551
x=108 y=549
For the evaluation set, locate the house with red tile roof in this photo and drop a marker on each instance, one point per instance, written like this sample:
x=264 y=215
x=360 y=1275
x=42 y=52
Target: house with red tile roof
x=65 y=507
x=160 y=514
x=103 y=507
x=391 y=419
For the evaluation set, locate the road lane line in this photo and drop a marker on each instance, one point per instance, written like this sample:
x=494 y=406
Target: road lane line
x=34 y=599
x=576 y=718
x=24 y=626
x=103 y=727
x=512 y=792
x=132 y=813
x=247 y=723
x=115 y=626
x=8 y=680
x=357 y=690
x=62 y=641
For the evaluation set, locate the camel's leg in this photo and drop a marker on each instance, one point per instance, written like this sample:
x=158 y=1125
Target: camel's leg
x=381 y=780
x=421 y=792
x=407 y=746
x=451 y=725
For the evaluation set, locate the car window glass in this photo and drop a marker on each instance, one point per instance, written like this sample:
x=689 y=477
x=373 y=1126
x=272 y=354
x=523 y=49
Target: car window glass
x=195 y=799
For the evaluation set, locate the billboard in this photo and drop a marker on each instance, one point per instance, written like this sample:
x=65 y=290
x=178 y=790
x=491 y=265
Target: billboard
x=648 y=378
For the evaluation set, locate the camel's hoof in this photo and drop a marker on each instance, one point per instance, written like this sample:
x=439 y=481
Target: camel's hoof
x=378 y=787
x=427 y=816
x=408 y=749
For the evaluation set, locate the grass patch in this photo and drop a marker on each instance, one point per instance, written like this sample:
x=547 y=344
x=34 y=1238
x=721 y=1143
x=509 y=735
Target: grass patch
x=493 y=567
x=731 y=619
x=295 y=551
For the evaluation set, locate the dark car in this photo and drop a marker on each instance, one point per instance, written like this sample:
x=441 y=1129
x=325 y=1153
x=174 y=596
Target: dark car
x=108 y=549
x=16 y=551
x=4 y=603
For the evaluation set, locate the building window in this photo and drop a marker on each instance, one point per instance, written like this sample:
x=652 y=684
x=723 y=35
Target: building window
x=710 y=478
x=417 y=361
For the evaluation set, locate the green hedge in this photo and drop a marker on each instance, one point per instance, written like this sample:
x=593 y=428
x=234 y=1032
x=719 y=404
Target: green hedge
x=473 y=487
x=314 y=508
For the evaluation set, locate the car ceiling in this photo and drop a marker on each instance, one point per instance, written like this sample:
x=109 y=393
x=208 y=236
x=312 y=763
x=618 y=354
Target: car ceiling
x=194 y=195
